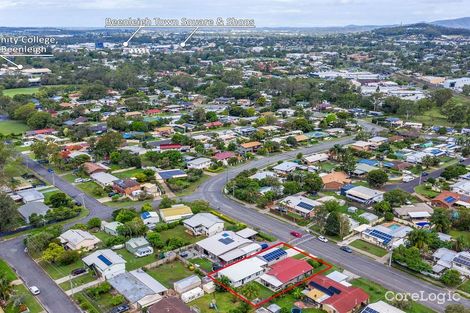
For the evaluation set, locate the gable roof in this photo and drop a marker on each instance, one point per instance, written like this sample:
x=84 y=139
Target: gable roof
x=288 y=269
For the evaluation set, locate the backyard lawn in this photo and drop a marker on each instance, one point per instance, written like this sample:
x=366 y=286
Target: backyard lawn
x=368 y=247
x=222 y=299
x=178 y=232
x=169 y=273
x=204 y=264
x=12 y=127
x=134 y=262
x=7 y=271
x=457 y=233
x=29 y=300
x=128 y=174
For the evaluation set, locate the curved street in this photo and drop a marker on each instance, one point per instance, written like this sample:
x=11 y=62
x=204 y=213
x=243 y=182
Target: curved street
x=55 y=300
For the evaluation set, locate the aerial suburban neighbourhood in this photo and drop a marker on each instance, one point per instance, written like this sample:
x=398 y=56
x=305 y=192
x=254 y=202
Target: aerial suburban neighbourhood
x=255 y=164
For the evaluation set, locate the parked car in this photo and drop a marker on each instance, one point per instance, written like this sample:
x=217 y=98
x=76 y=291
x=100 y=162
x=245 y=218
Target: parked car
x=120 y=309
x=296 y=234
x=78 y=180
x=346 y=249
x=34 y=290
x=322 y=239
x=424 y=174
x=78 y=271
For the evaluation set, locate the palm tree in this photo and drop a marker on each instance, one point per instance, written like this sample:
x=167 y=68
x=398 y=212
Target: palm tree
x=336 y=151
x=6 y=289
x=297 y=293
x=419 y=238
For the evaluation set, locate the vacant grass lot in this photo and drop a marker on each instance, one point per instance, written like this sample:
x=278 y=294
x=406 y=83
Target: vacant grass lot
x=134 y=262
x=20 y=91
x=178 y=232
x=128 y=174
x=222 y=299
x=169 y=273
x=368 y=247
x=12 y=127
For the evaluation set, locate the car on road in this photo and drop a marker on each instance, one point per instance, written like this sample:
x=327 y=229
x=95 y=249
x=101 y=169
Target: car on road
x=296 y=234
x=346 y=249
x=34 y=290
x=120 y=309
x=322 y=239
x=78 y=271
x=424 y=174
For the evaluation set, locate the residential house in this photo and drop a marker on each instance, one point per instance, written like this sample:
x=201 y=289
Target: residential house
x=447 y=199
x=386 y=237
x=92 y=168
x=413 y=211
x=126 y=187
x=187 y=284
x=227 y=247
x=315 y=158
x=361 y=145
x=205 y=224
x=77 y=239
x=139 y=288
x=110 y=227
x=30 y=208
x=30 y=195
x=199 y=163
x=286 y=272
x=249 y=147
x=381 y=307
x=299 y=205
x=285 y=168
x=461 y=187
x=139 y=247
x=224 y=156
x=176 y=212
x=244 y=271
x=170 y=305
x=335 y=180
x=103 y=179
x=362 y=194
x=334 y=297
x=150 y=219
x=105 y=263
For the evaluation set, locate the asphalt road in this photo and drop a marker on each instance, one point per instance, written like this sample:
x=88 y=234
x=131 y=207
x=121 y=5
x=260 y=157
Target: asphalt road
x=55 y=301
x=411 y=185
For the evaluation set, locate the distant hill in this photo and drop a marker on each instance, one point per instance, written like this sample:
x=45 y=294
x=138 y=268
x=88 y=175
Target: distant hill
x=425 y=29
x=463 y=22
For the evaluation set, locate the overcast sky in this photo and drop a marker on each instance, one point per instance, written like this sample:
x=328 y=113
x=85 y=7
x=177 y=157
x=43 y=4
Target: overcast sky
x=272 y=13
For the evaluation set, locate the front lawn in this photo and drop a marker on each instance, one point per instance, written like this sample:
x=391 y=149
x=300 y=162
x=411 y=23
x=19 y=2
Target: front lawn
x=368 y=247
x=465 y=287
x=424 y=191
x=169 y=273
x=376 y=293
x=6 y=270
x=29 y=300
x=78 y=281
x=58 y=271
x=90 y=188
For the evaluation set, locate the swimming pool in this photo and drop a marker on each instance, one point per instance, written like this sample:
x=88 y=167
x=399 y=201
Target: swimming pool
x=394 y=226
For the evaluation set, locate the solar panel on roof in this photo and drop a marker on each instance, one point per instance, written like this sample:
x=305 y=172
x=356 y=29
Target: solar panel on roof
x=273 y=255
x=321 y=288
x=334 y=290
x=462 y=260
x=226 y=241
x=145 y=215
x=369 y=310
x=305 y=206
x=104 y=260
x=449 y=199
x=225 y=235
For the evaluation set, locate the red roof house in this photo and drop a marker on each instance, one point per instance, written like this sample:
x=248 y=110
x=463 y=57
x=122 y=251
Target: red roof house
x=222 y=156
x=332 y=296
x=286 y=272
x=447 y=199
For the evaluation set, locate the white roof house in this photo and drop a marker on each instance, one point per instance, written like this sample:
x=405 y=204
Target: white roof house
x=110 y=227
x=316 y=157
x=30 y=195
x=363 y=194
x=285 y=167
x=106 y=263
x=77 y=239
x=244 y=271
x=299 y=204
x=263 y=175
x=139 y=246
x=461 y=187
x=150 y=219
x=381 y=307
x=410 y=210
x=204 y=224
x=461 y=263
x=199 y=163
x=186 y=284
x=227 y=247
x=30 y=208
x=104 y=179
x=138 y=287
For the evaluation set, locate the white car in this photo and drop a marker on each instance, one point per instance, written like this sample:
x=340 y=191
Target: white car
x=322 y=239
x=79 y=180
x=34 y=290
